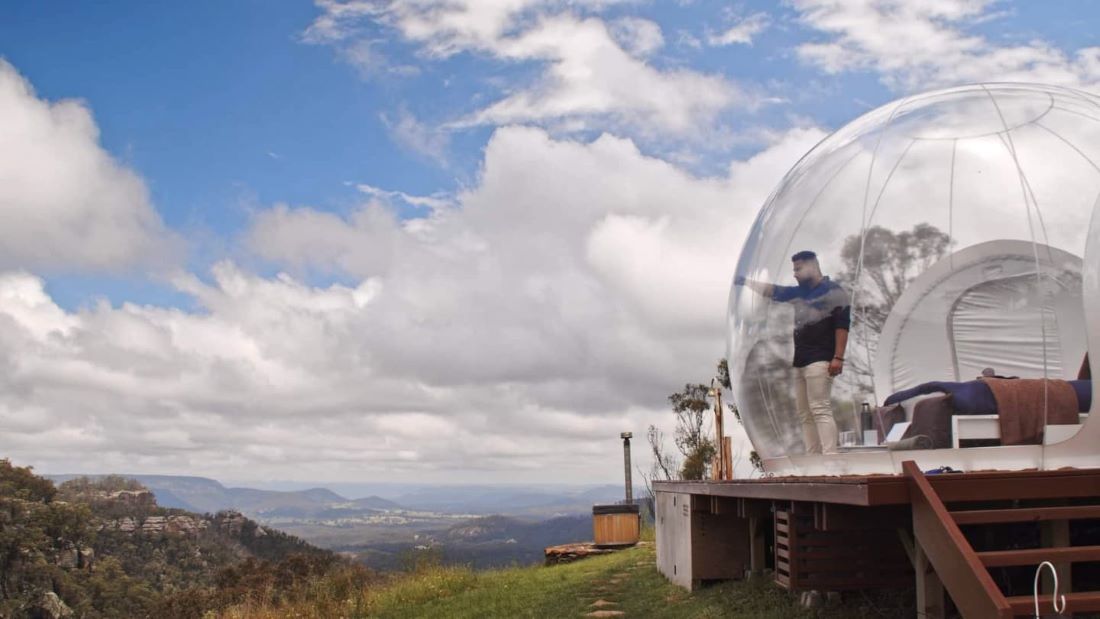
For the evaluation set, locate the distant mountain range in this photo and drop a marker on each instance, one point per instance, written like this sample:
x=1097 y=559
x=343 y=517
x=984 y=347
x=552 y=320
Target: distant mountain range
x=534 y=501
x=201 y=494
x=480 y=525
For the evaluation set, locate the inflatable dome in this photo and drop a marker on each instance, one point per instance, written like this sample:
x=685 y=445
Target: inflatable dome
x=944 y=235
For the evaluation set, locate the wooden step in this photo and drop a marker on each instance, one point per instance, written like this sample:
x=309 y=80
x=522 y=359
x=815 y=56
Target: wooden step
x=1026 y=514
x=1035 y=556
x=1024 y=605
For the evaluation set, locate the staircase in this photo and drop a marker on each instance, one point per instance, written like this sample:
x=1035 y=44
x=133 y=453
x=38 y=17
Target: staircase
x=965 y=572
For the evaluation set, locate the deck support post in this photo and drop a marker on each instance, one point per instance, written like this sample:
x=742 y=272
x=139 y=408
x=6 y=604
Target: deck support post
x=1055 y=534
x=930 y=602
x=757 y=558
x=929 y=588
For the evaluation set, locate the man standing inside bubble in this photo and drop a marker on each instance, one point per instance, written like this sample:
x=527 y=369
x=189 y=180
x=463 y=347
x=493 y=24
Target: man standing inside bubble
x=822 y=317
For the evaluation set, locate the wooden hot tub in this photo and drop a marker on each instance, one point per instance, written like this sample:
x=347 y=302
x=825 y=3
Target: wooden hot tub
x=615 y=525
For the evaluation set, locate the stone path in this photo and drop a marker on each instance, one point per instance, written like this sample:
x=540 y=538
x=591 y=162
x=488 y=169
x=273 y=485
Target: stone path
x=607 y=592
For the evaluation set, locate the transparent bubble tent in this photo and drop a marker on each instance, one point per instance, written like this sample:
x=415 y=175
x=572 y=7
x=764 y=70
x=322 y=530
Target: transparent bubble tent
x=957 y=222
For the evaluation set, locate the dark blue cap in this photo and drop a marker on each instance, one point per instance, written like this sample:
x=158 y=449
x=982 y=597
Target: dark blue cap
x=804 y=255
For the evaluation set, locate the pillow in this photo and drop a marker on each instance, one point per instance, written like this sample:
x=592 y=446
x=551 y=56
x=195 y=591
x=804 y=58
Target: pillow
x=885 y=417
x=932 y=418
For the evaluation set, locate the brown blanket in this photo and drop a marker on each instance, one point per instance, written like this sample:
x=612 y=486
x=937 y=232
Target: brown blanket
x=1021 y=403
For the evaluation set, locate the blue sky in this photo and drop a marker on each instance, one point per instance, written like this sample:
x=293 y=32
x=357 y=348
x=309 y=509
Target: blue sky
x=222 y=106
x=395 y=184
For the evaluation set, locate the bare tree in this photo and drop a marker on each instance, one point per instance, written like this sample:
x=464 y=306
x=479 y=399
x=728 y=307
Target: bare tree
x=663 y=462
x=890 y=261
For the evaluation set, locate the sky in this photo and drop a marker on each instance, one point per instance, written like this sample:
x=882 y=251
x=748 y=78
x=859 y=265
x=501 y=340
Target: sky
x=409 y=240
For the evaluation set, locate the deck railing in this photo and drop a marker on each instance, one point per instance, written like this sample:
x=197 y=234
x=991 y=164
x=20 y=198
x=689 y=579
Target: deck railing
x=964 y=576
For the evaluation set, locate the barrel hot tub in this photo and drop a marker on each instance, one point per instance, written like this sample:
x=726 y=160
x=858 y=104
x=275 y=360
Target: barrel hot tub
x=615 y=525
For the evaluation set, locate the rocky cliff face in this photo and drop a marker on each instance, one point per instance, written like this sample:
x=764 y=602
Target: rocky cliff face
x=229 y=522
x=105 y=548
x=172 y=525
x=232 y=522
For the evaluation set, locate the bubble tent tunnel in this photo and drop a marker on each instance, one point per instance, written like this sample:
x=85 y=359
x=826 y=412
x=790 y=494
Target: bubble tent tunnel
x=964 y=225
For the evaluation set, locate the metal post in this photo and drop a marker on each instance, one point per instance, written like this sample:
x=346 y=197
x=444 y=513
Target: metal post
x=626 y=436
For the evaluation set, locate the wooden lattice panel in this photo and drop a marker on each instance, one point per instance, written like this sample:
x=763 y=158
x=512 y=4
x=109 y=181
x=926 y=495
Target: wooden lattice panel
x=808 y=558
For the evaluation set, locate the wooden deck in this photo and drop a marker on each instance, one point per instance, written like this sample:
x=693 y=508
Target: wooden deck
x=865 y=531
x=872 y=490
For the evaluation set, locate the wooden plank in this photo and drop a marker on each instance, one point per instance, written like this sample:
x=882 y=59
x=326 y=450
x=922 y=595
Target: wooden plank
x=1075 y=603
x=892 y=489
x=727 y=457
x=850 y=518
x=849 y=493
x=853 y=583
x=844 y=564
x=835 y=560
x=753 y=508
x=857 y=555
x=615 y=529
x=1035 y=556
x=1051 y=485
x=1026 y=514
x=966 y=579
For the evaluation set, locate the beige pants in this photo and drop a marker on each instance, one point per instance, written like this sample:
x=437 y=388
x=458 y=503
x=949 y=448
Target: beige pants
x=812 y=387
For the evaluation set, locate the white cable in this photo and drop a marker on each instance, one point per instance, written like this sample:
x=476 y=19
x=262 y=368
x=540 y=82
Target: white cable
x=1054 y=598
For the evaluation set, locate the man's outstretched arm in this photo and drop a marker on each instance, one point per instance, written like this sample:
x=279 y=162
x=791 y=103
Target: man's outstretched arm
x=762 y=288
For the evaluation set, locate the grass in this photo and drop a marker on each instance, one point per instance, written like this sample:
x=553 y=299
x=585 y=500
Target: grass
x=626 y=581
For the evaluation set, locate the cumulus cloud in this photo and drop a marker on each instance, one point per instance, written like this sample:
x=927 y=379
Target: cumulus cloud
x=65 y=203
x=918 y=45
x=557 y=302
x=743 y=32
x=305 y=239
x=639 y=37
x=590 y=76
x=590 y=69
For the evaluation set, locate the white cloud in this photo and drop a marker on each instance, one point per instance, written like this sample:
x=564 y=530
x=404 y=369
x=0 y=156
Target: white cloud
x=919 y=45
x=417 y=137
x=637 y=36
x=437 y=201
x=305 y=238
x=65 y=203
x=338 y=19
x=511 y=335
x=591 y=71
x=591 y=77
x=743 y=32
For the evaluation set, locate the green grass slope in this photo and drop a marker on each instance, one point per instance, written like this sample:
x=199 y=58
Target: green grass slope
x=625 y=582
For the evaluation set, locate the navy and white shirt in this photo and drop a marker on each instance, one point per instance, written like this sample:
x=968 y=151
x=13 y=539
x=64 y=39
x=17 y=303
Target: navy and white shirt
x=818 y=313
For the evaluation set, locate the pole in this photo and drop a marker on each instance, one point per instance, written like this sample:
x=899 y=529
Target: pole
x=626 y=436
x=719 y=431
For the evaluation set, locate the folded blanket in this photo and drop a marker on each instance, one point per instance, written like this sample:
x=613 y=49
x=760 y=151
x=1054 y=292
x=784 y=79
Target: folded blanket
x=1026 y=405
x=974 y=397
